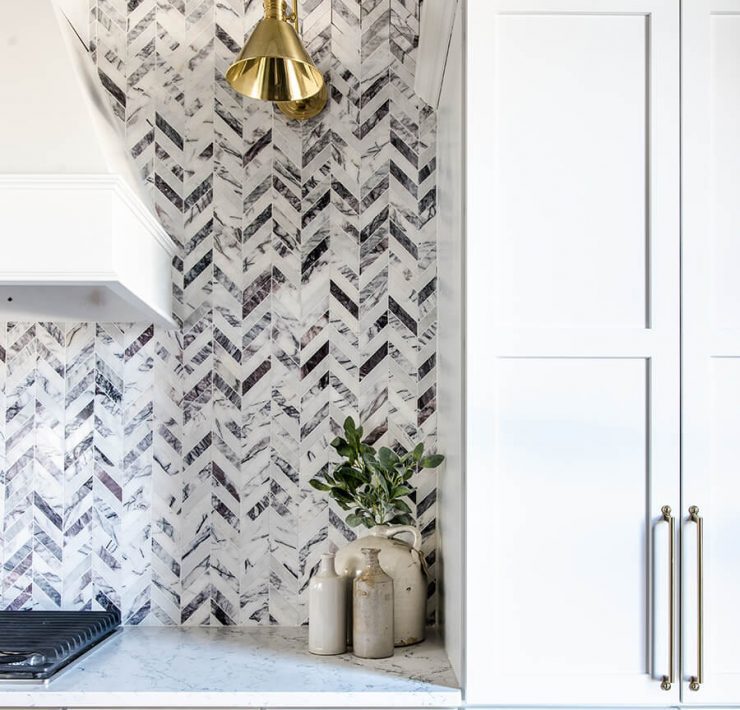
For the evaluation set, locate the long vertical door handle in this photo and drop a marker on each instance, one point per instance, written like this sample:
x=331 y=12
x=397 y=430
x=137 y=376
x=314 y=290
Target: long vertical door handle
x=669 y=679
x=694 y=517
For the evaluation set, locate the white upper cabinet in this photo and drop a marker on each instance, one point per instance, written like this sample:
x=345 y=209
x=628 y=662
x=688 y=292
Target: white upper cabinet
x=573 y=309
x=711 y=345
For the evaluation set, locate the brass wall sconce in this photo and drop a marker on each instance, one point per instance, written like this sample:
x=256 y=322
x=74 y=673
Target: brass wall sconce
x=274 y=66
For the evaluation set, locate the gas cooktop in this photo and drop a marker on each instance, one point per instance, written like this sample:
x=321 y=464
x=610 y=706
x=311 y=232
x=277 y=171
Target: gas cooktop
x=34 y=645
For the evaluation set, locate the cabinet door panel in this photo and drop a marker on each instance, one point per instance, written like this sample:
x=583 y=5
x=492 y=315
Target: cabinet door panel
x=544 y=150
x=569 y=450
x=711 y=343
x=572 y=348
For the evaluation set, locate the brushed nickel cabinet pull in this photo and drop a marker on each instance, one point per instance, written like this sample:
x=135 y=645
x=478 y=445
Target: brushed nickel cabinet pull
x=694 y=517
x=669 y=679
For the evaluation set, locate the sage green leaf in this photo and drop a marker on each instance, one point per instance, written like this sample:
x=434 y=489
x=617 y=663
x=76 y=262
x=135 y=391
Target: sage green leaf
x=347 y=452
x=402 y=505
x=350 y=431
x=403 y=519
x=388 y=458
x=340 y=494
x=431 y=461
x=371 y=462
x=384 y=485
x=401 y=491
x=352 y=473
x=343 y=448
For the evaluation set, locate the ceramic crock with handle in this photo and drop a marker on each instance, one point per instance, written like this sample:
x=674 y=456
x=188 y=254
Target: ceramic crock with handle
x=403 y=563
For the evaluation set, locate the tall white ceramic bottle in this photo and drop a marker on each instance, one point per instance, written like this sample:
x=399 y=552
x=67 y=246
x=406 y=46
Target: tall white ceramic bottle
x=327 y=610
x=372 y=609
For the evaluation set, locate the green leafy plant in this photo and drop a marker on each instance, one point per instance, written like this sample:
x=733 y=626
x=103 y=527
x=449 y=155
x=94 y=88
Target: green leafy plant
x=373 y=484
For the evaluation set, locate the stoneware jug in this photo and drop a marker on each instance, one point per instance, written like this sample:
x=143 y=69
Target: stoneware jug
x=372 y=609
x=403 y=563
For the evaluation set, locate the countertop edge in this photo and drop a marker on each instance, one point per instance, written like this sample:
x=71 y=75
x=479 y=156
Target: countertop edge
x=48 y=698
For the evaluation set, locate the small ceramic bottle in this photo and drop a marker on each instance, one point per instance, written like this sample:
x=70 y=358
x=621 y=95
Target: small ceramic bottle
x=372 y=609
x=327 y=610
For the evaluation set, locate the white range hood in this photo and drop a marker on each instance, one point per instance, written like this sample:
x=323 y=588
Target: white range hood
x=78 y=238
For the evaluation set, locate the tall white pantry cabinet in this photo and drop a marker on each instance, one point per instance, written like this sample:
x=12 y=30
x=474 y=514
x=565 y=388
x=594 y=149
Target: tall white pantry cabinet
x=599 y=158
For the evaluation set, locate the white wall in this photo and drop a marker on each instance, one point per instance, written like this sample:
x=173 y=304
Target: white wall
x=450 y=231
x=77 y=12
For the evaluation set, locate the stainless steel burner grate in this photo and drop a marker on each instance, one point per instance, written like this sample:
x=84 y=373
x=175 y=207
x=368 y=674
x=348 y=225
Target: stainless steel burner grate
x=36 y=644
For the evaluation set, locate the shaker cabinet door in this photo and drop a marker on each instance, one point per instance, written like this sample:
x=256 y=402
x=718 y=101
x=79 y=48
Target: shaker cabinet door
x=572 y=349
x=711 y=350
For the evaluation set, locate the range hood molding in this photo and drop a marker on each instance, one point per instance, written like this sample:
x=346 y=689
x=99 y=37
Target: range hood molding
x=79 y=239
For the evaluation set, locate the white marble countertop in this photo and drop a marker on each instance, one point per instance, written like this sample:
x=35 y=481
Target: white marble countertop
x=246 y=667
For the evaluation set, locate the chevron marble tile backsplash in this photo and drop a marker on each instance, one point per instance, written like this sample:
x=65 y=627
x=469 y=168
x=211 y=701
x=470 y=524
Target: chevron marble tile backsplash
x=166 y=473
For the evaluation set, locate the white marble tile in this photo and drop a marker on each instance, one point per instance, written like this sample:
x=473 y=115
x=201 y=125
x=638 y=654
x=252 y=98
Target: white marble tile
x=247 y=667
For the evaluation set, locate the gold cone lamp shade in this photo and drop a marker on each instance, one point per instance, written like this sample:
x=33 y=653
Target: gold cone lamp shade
x=274 y=66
